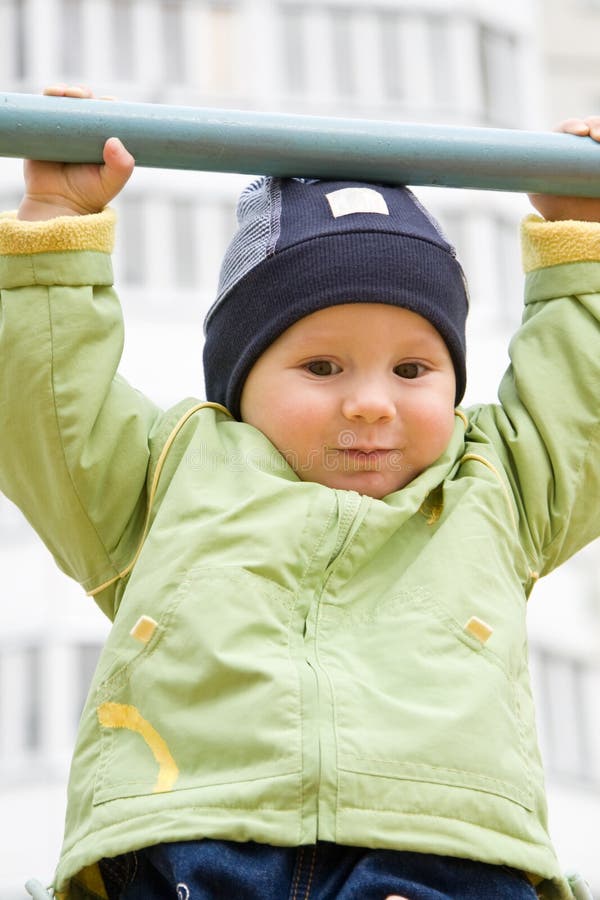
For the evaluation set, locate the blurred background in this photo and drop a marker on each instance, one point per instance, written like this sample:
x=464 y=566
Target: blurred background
x=516 y=64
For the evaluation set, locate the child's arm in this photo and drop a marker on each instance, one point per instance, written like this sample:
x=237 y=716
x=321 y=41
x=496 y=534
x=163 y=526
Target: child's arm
x=549 y=418
x=75 y=437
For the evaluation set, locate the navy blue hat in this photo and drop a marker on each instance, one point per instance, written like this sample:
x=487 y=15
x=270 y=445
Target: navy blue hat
x=303 y=245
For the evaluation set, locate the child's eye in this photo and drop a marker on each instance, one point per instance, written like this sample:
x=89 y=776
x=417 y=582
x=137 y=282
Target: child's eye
x=322 y=367
x=409 y=370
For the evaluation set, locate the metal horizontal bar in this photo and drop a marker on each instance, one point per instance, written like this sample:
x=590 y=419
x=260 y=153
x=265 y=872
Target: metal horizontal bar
x=215 y=140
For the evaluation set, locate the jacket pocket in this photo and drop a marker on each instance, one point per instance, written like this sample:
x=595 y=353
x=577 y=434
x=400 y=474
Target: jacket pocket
x=212 y=696
x=418 y=698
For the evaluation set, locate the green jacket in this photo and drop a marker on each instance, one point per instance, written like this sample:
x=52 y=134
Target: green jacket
x=290 y=662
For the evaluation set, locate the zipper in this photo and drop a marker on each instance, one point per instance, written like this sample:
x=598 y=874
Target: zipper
x=350 y=505
x=352 y=510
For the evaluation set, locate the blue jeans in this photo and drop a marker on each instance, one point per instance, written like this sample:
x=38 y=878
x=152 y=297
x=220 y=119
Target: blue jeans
x=225 y=870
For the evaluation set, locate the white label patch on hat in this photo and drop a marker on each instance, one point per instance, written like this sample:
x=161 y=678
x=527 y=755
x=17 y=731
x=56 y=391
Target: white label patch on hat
x=357 y=200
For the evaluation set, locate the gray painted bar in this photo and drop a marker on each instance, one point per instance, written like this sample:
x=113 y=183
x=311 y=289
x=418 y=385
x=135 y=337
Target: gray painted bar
x=243 y=141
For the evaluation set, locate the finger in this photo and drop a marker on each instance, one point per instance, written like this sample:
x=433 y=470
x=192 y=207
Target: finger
x=573 y=126
x=396 y=897
x=81 y=90
x=54 y=90
x=78 y=91
x=593 y=123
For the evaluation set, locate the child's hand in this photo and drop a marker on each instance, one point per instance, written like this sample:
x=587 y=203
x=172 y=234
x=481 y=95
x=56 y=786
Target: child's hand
x=586 y=209
x=74 y=189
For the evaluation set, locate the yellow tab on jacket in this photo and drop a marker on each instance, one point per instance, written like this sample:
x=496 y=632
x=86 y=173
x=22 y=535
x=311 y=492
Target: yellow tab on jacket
x=143 y=629
x=479 y=629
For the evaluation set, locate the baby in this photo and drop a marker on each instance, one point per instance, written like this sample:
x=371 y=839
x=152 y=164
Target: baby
x=316 y=681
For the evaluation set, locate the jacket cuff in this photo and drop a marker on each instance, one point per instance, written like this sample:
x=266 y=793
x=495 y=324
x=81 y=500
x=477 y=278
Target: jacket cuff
x=546 y=244
x=92 y=232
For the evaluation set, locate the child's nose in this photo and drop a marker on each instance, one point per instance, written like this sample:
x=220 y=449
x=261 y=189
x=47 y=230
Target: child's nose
x=369 y=401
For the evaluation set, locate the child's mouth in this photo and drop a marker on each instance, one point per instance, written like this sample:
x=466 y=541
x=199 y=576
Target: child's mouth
x=373 y=459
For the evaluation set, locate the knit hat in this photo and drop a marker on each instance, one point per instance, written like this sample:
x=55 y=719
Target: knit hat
x=305 y=244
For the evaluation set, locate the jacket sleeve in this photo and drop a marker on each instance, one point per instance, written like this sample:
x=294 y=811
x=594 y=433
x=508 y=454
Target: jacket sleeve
x=74 y=436
x=548 y=418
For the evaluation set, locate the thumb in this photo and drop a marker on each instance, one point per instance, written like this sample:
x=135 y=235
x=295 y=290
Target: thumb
x=118 y=165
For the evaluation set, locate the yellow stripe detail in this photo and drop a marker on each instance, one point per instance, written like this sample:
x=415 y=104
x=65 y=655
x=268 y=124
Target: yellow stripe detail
x=461 y=415
x=159 y=466
x=485 y=462
x=121 y=715
x=554 y=243
x=92 y=232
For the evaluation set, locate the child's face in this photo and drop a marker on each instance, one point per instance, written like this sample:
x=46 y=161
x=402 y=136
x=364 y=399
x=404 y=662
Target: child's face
x=358 y=396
